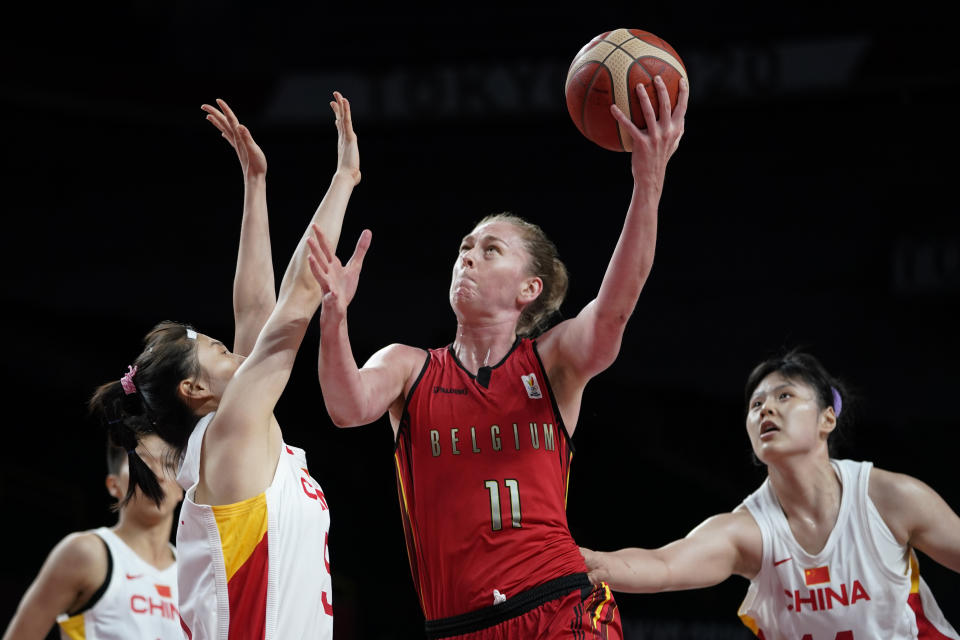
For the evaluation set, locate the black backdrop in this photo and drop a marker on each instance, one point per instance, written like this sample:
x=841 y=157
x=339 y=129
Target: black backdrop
x=810 y=204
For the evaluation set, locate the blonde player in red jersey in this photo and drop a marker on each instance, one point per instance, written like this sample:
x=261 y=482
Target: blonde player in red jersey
x=252 y=535
x=111 y=583
x=826 y=544
x=482 y=426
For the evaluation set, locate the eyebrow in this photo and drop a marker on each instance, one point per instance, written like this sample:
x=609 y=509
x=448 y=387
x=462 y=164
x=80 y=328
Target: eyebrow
x=777 y=388
x=214 y=343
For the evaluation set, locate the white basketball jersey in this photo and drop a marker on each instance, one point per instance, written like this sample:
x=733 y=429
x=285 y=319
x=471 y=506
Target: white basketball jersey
x=845 y=592
x=139 y=601
x=257 y=568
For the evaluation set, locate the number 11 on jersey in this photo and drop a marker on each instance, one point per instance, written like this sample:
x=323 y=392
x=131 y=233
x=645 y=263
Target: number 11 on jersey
x=494 y=488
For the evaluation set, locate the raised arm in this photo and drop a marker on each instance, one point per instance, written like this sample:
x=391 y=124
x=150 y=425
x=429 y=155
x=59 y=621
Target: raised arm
x=584 y=345
x=254 y=288
x=71 y=574
x=917 y=516
x=355 y=396
x=722 y=546
x=243 y=440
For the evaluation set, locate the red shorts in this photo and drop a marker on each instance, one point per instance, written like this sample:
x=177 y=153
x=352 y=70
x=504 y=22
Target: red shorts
x=586 y=612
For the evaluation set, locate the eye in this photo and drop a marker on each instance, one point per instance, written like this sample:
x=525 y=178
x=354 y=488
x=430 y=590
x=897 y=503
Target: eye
x=784 y=395
x=756 y=404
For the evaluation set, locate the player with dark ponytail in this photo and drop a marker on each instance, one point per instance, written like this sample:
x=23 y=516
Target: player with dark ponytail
x=266 y=572
x=144 y=400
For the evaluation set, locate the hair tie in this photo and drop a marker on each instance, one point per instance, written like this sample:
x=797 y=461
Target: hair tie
x=127 y=380
x=191 y=334
x=837 y=401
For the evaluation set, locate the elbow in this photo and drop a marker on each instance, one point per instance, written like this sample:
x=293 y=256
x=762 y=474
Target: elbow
x=343 y=419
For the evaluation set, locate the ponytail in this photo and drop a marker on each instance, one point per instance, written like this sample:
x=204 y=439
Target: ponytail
x=145 y=401
x=124 y=430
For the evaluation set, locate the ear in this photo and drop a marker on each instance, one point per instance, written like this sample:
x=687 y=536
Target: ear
x=113 y=486
x=828 y=422
x=192 y=389
x=530 y=290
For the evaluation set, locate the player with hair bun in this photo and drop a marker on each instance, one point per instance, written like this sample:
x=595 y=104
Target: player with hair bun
x=827 y=544
x=482 y=426
x=253 y=527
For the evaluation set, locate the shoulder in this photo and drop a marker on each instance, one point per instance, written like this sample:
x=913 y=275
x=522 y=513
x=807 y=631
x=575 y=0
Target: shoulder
x=397 y=355
x=739 y=524
x=889 y=487
x=902 y=500
x=80 y=554
x=738 y=532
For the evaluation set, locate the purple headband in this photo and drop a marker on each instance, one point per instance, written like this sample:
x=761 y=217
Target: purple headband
x=837 y=401
x=127 y=380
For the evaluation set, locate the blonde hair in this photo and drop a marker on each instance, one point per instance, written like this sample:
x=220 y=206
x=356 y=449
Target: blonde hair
x=545 y=264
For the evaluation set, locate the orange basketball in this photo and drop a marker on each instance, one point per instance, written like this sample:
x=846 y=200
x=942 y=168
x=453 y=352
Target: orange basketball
x=607 y=71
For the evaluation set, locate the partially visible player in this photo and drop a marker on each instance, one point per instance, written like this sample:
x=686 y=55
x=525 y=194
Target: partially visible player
x=828 y=545
x=253 y=527
x=482 y=426
x=112 y=583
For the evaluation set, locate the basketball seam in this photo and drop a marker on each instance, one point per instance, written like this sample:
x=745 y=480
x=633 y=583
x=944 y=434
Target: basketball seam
x=583 y=103
x=636 y=62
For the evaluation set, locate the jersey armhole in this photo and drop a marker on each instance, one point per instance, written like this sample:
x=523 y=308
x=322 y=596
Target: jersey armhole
x=881 y=539
x=553 y=397
x=405 y=414
x=95 y=598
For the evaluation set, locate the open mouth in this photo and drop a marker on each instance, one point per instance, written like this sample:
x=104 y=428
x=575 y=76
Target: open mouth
x=768 y=426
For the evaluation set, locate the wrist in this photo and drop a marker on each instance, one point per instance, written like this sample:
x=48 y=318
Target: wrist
x=347 y=176
x=258 y=178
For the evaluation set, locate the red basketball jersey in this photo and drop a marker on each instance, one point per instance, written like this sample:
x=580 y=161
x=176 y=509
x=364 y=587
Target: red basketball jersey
x=482 y=466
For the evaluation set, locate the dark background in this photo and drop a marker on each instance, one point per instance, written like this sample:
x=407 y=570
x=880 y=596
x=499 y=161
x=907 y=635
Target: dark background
x=811 y=203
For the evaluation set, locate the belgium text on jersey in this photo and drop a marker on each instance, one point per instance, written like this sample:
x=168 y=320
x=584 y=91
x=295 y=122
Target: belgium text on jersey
x=539 y=436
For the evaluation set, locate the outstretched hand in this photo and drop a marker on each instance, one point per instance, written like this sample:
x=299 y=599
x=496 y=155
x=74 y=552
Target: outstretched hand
x=252 y=159
x=338 y=281
x=653 y=146
x=348 y=152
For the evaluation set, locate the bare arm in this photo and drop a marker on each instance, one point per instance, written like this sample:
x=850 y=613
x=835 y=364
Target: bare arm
x=355 y=396
x=917 y=516
x=588 y=343
x=721 y=546
x=254 y=289
x=73 y=571
x=243 y=440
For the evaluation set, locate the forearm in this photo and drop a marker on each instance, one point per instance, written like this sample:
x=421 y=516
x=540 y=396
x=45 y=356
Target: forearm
x=254 y=288
x=329 y=218
x=632 y=570
x=341 y=382
x=632 y=258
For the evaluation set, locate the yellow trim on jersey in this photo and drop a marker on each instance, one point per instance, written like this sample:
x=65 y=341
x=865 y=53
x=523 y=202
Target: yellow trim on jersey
x=914 y=573
x=607 y=597
x=242 y=526
x=73 y=627
x=750 y=623
x=403 y=490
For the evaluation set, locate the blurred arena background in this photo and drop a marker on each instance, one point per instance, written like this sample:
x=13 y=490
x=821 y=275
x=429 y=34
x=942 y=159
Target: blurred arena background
x=812 y=202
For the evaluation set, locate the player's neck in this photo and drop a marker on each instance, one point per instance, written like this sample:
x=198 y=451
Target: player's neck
x=149 y=540
x=483 y=345
x=809 y=492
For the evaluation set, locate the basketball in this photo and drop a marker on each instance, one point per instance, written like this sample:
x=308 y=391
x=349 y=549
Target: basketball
x=607 y=71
